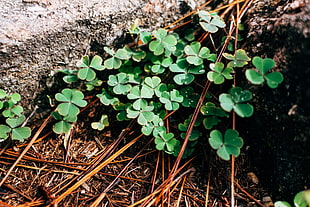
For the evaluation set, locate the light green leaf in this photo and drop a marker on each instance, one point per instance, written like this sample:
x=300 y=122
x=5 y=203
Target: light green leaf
x=21 y=133
x=62 y=127
x=4 y=131
x=15 y=122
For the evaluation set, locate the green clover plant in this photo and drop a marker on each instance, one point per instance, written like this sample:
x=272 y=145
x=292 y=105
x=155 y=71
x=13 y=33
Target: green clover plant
x=228 y=145
x=260 y=75
x=210 y=22
x=163 y=43
x=159 y=79
x=236 y=99
x=219 y=74
x=14 y=118
x=68 y=110
x=239 y=60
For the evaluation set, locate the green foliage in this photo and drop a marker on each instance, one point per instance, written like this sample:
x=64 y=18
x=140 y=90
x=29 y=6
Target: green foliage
x=218 y=73
x=229 y=145
x=12 y=112
x=236 y=99
x=68 y=110
x=185 y=72
x=166 y=141
x=240 y=58
x=213 y=115
x=301 y=199
x=196 y=54
x=260 y=75
x=161 y=79
x=163 y=43
x=210 y=22
x=101 y=124
x=86 y=71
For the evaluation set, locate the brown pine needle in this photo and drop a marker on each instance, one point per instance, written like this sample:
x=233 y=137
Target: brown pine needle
x=94 y=171
x=26 y=149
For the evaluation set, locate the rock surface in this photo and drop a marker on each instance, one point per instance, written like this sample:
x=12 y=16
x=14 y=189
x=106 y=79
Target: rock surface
x=38 y=37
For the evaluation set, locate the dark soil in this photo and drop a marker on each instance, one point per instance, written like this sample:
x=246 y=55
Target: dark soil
x=279 y=132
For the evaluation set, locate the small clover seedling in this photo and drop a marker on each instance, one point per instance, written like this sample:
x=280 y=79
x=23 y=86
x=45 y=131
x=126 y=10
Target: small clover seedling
x=118 y=82
x=14 y=118
x=166 y=142
x=68 y=110
x=155 y=126
x=17 y=133
x=229 y=145
x=142 y=110
x=171 y=99
x=196 y=54
x=115 y=61
x=86 y=72
x=195 y=134
x=107 y=99
x=236 y=100
x=163 y=42
x=259 y=76
x=185 y=71
x=218 y=73
x=212 y=114
x=104 y=122
x=240 y=58
x=10 y=108
x=210 y=22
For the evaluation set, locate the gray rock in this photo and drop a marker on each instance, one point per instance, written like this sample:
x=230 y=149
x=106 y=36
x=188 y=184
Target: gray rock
x=38 y=37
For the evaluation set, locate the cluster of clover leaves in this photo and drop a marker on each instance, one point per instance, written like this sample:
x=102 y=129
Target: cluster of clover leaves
x=11 y=114
x=150 y=80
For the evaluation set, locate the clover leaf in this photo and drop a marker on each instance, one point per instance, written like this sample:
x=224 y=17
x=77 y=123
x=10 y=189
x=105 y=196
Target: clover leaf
x=163 y=42
x=122 y=115
x=156 y=124
x=107 y=99
x=160 y=64
x=4 y=131
x=213 y=113
x=103 y=122
x=166 y=141
x=282 y=204
x=240 y=58
x=236 y=100
x=149 y=86
x=260 y=75
x=186 y=77
x=118 y=82
x=12 y=110
x=2 y=94
x=171 y=99
x=196 y=54
x=71 y=98
x=115 y=61
x=62 y=127
x=17 y=133
x=210 y=22
x=142 y=110
x=229 y=145
x=218 y=73
x=71 y=75
x=86 y=72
